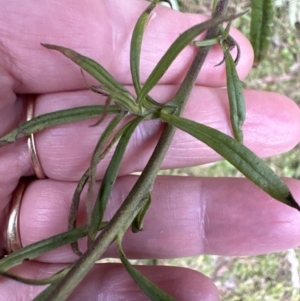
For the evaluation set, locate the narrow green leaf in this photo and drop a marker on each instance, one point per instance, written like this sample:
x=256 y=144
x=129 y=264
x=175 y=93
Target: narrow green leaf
x=137 y=224
x=106 y=135
x=90 y=174
x=214 y=5
x=262 y=14
x=54 y=278
x=110 y=177
x=136 y=45
x=238 y=155
x=55 y=118
x=152 y=291
x=236 y=98
x=180 y=43
x=118 y=93
x=85 y=177
x=46 y=292
x=135 y=54
x=89 y=65
x=36 y=249
x=43 y=246
x=225 y=32
x=72 y=219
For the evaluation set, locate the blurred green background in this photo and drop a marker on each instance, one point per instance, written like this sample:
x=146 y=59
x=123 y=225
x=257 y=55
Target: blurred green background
x=274 y=276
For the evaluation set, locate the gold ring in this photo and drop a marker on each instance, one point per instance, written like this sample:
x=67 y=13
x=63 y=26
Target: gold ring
x=13 y=230
x=31 y=144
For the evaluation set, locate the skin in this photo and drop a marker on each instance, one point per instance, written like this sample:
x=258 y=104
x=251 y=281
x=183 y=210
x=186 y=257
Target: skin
x=202 y=221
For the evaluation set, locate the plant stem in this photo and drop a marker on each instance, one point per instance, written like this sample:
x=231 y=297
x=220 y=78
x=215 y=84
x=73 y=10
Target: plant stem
x=138 y=196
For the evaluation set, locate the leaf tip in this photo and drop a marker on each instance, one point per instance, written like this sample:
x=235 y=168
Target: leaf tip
x=292 y=202
x=69 y=53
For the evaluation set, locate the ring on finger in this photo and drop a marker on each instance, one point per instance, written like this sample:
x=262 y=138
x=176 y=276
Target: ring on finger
x=13 y=226
x=35 y=162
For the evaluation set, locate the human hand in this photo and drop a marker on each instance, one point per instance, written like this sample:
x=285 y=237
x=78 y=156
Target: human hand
x=188 y=216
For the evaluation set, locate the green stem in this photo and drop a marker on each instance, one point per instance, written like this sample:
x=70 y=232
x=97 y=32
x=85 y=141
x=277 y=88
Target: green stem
x=138 y=196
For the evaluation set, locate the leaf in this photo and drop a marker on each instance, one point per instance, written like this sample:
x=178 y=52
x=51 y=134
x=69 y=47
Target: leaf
x=46 y=292
x=135 y=54
x=180 y=43
x=36 y=249
x=74 y=209
x=43 y=246
x=110 y=177
x=262 y=14
x=106 y=135
x=90 y=175
x=136 y=45
x=236 y=98
x=153 y=292
x=54 y=278
x=89 y=65
x=137 y=224
x=238 y=155
x=55 y=118
x=118 y=93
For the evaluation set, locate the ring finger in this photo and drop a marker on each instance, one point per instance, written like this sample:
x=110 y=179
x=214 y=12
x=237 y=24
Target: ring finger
x=188 y=216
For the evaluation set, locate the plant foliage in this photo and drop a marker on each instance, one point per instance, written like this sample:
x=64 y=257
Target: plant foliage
x=142 y=107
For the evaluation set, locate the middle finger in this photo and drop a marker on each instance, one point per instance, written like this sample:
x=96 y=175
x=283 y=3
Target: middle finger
x=65 y=150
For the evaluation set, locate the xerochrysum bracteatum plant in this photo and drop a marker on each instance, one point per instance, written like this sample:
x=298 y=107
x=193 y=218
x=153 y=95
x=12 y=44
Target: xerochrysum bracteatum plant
x=121 y=103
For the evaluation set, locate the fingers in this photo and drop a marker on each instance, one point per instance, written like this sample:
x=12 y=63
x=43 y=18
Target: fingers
x=64 y=155
x=100 y=30
x=187 y=217
x=111 y=282
x=272 y=126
